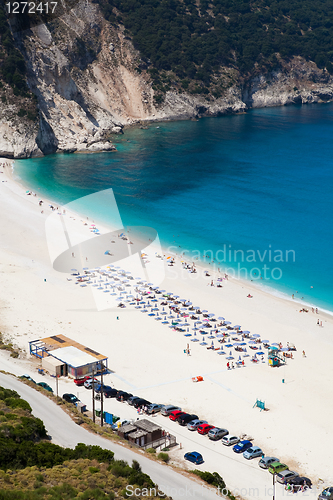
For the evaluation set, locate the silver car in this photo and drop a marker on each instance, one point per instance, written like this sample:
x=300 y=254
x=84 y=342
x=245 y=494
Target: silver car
x=265 y=462
x=217 y=433
x=284 y=475
x=194 y=424
x=167 y=409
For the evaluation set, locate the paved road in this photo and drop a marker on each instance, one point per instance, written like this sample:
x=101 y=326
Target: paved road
x=66 y=433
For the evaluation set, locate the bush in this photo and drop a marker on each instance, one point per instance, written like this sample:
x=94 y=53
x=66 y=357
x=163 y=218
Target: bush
x=211 y=478
x=151 y=450
x=163 y=456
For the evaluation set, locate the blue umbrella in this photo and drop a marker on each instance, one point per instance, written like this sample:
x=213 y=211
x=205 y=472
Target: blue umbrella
x=221 y=318
x=203 y=341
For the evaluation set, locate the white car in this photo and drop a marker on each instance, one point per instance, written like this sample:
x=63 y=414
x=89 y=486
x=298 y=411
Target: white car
x=229 y=440
x=89 y=382
x=120 y=423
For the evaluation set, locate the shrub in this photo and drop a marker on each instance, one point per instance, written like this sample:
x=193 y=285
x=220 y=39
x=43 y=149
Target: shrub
x=151 y=450
x=163 y=456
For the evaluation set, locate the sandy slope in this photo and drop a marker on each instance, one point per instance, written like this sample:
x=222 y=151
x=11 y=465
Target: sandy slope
x=148 y=358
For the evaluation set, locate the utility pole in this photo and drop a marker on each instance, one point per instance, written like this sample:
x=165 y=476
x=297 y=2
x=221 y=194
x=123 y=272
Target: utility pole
x=274 y=486
x=57 y=385
x=102 y=368
x=93 y=394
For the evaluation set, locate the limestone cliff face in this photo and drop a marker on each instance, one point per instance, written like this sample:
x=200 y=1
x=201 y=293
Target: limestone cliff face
x=84 y=74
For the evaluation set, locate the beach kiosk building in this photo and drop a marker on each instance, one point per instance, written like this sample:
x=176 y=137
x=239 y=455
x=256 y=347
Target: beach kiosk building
x=62 y=356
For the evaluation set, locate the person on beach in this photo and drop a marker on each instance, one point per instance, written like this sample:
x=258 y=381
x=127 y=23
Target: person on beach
x=304 y=355
x=228 y=366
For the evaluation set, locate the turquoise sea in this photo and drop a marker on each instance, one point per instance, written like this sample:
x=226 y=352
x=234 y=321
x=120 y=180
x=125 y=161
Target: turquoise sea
x=260 y=184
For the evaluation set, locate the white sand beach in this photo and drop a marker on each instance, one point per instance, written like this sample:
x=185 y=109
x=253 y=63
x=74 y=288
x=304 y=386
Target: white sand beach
x=147 y=357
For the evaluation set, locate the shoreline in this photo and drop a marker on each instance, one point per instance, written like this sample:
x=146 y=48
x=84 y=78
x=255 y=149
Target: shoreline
x=254 y=286
x=147 y=358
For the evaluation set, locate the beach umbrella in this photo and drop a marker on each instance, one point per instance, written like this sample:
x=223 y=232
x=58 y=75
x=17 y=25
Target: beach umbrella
x=275 y=344
x=229 y=345
x=203 y=341
x=228 y=322
x=260 y=353
x=284 y=349
x=221 y=318
x=211 y=337
x=265 y=341
x=245 y=353
x=212 y=344
x=237 y=326
x=256 y=335
x=205 y=311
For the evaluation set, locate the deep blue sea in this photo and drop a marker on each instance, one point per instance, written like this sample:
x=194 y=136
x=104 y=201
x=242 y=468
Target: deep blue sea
x=260 y=184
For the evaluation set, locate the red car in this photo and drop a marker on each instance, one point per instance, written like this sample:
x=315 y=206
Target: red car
x=175 y=414
x=205 y=428
x=81 y=381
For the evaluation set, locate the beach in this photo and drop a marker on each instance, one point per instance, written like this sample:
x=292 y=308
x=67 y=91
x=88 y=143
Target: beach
x=147 y=357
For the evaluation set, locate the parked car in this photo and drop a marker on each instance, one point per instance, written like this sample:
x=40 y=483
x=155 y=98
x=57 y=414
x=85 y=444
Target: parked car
x=98 y=388
x=185 y=419
x=217 y=433
x=192 y=426
x=141 y=402
x=132 y=400
x=276 y=467
x=70 y=398
x=326 y=494
x=194 y=457
x=283 y=476
x=154 y=408
x=242 y=446
x=88 y=383
x=167 y=409
x=120 y=423
x=45 y=386
x=27 y=377
x=204 y=428
x=175 y=414
x=81 y=381
x=300 y=482
x=111 y=393
x=123 y=396
x=253 y=452
x=265 y=462
x=230 y=440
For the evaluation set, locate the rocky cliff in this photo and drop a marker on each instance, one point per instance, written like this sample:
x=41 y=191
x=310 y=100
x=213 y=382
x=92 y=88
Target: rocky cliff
x=90 y=82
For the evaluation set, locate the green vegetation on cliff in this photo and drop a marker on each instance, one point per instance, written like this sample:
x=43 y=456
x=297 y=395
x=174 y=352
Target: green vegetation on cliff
x=194 y=38
x=32 y=468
